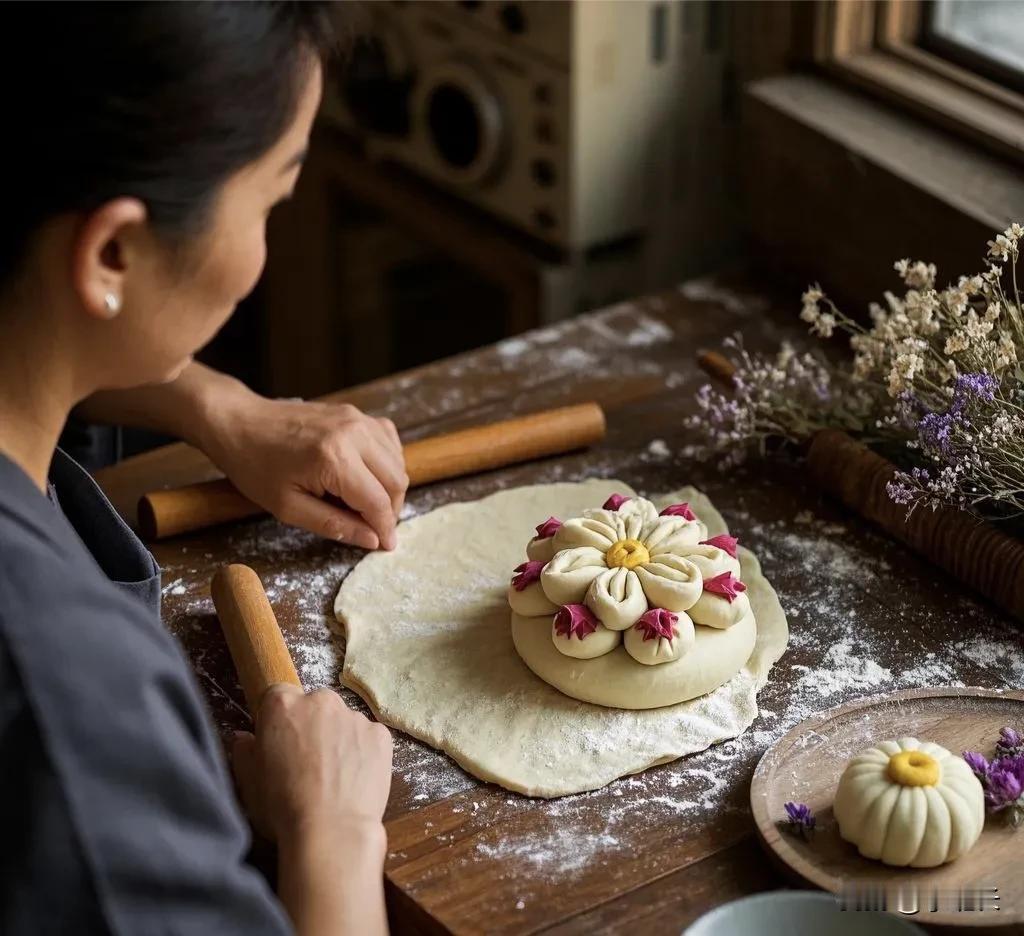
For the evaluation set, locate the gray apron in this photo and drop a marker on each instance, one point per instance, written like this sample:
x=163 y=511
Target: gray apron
x=118 y=551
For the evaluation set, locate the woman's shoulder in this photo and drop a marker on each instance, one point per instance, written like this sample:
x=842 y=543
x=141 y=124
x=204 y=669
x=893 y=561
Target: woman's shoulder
x=45 y=570
x=75 y=637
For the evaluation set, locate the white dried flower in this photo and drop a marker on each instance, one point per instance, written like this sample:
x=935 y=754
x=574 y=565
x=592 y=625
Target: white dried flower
x=824 y=326
x=809 y=301
x=956 y=343
x=904 y=368
x=1001 y=247
x=1006 y=351
x=977 y=328
x=894 y=302
x=916 y=275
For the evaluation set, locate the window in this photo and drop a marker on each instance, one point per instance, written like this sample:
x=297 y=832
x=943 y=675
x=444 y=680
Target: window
x=958 y=62
x=985 y=36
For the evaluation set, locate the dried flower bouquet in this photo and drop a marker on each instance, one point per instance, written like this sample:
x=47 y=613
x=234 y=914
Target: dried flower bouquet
x=935 y=377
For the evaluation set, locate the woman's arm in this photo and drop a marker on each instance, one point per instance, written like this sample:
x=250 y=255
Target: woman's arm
x=286 y=455
x=315 y=778
x=180 y=408
x=331 y=880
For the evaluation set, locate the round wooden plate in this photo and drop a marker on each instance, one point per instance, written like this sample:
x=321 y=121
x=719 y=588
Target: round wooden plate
x=804 y=767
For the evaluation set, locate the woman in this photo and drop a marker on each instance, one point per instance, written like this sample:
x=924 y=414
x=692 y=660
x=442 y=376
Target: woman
x=145 y=146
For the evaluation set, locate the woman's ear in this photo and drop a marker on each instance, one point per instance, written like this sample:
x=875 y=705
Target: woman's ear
x=106 y=246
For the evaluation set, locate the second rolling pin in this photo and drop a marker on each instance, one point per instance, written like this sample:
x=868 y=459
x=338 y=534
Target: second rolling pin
x=481 y=448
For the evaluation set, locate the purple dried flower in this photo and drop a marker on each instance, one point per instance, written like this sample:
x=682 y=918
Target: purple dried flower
x=933 y=432
x=972 y=388
x=1003 y=778
x=978 y=763
x=1010 y=743
x=800 y=818
x=1005 y=783
x=899 y=492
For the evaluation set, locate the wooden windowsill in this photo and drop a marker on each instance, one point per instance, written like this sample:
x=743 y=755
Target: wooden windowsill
x=839 y=185
x=976 y=183
x=900 y=76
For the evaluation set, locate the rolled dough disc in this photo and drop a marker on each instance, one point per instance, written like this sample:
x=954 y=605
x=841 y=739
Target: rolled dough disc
x=429 y=647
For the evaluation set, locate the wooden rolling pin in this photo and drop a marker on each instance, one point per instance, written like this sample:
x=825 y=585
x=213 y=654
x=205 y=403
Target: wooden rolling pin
x=974 y=552
x=482 y=448
x=252 y=633
x=717 y=366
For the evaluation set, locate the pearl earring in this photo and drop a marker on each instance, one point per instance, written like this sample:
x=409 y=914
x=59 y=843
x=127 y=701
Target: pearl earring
x=112 y=304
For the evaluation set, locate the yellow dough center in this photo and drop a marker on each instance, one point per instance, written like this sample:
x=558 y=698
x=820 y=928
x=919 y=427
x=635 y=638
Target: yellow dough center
x=913 y=768
x=628 y=553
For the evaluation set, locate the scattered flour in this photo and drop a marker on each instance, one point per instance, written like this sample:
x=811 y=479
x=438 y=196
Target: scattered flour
x=561 y=850
x=658 y=449
x=575 y=358
x=710 y=290
x=513 y=347
x=175 y=587
x=648 y=332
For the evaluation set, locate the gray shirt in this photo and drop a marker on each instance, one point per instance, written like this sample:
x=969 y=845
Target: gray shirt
x=117 y=810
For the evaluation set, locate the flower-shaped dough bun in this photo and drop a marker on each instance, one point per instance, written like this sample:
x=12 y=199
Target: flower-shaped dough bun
x=568 y=576
x=659 y=637
x=617 y=598
x=525 y=595
x=722 y=602
x=576 y=632
x=713 y=560
x=542 y=547
x=909 y=802
x=626 y=573
x=671 y=582
x=624 y=558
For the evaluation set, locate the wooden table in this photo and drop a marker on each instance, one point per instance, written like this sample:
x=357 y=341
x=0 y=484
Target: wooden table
x=652 y=852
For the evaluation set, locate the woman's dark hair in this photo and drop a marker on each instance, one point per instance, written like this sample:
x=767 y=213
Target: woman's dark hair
x=159 y=101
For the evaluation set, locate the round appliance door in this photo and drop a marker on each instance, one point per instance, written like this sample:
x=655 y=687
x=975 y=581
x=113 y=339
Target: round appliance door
x=460 y=122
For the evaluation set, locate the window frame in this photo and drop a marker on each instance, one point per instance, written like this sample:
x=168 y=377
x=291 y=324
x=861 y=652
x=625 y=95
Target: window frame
x=875 y=45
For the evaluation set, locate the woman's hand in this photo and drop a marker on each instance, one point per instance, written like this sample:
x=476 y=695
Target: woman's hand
x=284 y=455
x=312 y=765
x=288 y=456
x=315 y=778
